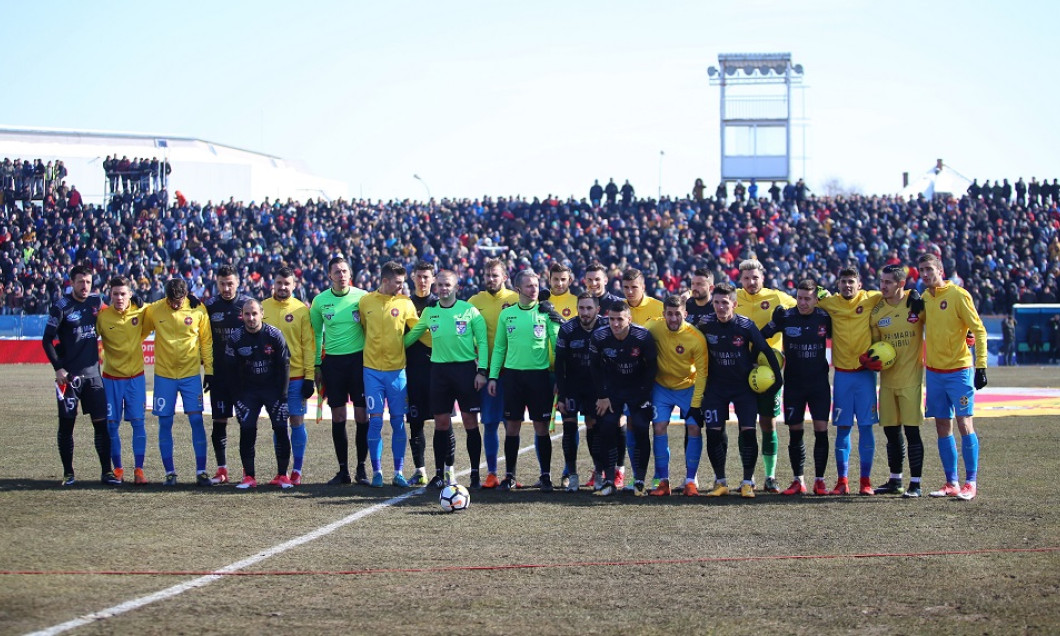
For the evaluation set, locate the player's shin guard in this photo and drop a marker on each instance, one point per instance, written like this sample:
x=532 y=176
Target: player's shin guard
x=360 y=441
x=948 y=455
x=342 y=444
x=641 y=451
x=820 y=453
x=113 y=429
x=544 y=452
x=198 y=440
x=717 y=449
x=591 y=444
x=139 y=442
x=693 y=454
x=620 y=445
x=916 y=451
x=165 y=441
x=511 y=453
x=662 y=456
x=450 y=447
x=748 y=452
x=101 y=437
x=248 y=436
x=398 y=441
x=631 y=446
x=491 y=444
x=375 y=441
x=842 y=450
x=474 y=447
x=65 y=440
x=866 y=449
x=770 y=448
x=299 y=440
x=895 y=449
x=970 y=453
x=797 y=452
x=570 y=447
x=417 y=442
x=440 y=442
x=219 y=437
x=282 y=442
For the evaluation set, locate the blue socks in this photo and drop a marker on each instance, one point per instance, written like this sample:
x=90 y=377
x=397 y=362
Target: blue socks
x=866 y=449
x=842 y=450
x=693 y=454
x=491 y=443
x=948 y=455
x=375 y=441
x=662 y=456
x=139 y=442
x=970 y=453
x=299 y=438
x=115 y=442
x=165 y=442
x=198 y=440
x=398 y=441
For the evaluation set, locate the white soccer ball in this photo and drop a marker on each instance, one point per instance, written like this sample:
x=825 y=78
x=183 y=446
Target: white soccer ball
x=454 y=498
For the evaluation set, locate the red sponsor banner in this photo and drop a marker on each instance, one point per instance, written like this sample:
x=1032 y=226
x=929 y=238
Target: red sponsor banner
x=30 y=351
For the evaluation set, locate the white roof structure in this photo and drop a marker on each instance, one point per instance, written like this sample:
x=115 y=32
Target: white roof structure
x=941 y=179
x=202 y=170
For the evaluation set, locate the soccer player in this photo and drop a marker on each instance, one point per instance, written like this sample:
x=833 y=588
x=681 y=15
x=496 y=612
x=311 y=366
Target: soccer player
x=574 y=395
x=336 y=324
x=385 y=317
x=225 y=312
x=901 y=402
x=123 y=372
x=642 y=309
x=559 y=281
x=757 y=303
x=257 y=361
x=806 y=329
x=679 y=382
x=418 y=370
x=951 y=384
x=526 y=333
x=699 y=305
x=624 y=367
x=183 y=342
x=595 y=280
x=291 y=317
x=459 y=367
x=733 y=345
x=493 y=299
x=72 y=321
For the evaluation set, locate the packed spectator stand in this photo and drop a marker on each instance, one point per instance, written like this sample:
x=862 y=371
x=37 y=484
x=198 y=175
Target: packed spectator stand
x=1001 y=250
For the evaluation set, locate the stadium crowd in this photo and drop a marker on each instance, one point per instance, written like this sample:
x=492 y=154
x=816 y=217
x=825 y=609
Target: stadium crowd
x=1003 y=251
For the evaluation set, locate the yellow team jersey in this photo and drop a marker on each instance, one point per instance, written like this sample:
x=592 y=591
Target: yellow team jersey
x=491 y=306
x=851 y=335
x=760 y=307
x=385 y=319
x=682 y=357
x=648 y=309
x=291 y=317
x=566 y=304
x=903 y=330
x=950 y=316
x=183 y=339
x=122 y=336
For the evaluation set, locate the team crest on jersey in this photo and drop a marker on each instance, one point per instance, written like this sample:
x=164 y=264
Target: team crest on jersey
x=539 y=331
x=765 y=304
x=268 y=350
x=860 y=310
x=289 y=317
x=135 y=320
x=635 y=352
x=737 y=341
x=943 y=305
x=566 y=312
x=394 y=312
x=913 y=318
x=885 y=322
x=679 y=349
x=511 y=328
x=433 y=328
x=188 y=321
x=822 y=331
x=461 y=327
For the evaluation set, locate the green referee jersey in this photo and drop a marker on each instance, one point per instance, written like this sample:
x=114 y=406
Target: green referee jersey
x=525 y=337
x=336 y=322
x=458 y=333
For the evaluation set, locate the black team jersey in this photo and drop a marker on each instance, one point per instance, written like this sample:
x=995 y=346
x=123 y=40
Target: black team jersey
x=805 y=343
x=226 y=317
x=624 y=368
x=418 y=353
x=733 y=348
x=573 y=362
x=696 y=314
x=257 y=362
x=73 y=324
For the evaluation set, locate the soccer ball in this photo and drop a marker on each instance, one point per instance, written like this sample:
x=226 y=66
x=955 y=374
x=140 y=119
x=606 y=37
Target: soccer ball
x=762 y=362
x=761 y=379
x=454 y=498
x=884 y=352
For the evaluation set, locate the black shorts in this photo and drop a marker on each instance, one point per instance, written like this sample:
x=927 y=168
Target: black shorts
x=716 y=400
x=637 y=416
x=796 y=398
x=343 y=379
x=248 y=406
x=527 y=391
x=418 y=382
x=220 y=400
x=89 y=392
x=575 y=404
x=454 y=382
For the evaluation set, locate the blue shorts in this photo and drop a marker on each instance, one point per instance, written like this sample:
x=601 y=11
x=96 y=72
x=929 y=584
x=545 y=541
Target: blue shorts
x=385 y=386
x=166 y=390
x=126 y=396
x=295 y=403
x=492 y=406
x=854 y=396
x=949 y=394
x=664 y=401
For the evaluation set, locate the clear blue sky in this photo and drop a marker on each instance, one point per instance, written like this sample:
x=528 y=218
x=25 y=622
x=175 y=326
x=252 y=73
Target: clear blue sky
x=542 y=97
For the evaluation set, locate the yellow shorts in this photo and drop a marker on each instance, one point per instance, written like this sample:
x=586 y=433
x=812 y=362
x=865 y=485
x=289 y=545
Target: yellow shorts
x=901 y=406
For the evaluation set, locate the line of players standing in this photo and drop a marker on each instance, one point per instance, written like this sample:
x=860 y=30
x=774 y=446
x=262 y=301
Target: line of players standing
x=622 y=364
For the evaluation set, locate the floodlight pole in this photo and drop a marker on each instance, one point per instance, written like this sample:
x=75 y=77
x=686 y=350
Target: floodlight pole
x=425 y=186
